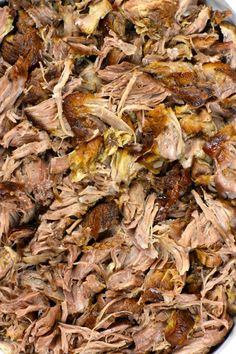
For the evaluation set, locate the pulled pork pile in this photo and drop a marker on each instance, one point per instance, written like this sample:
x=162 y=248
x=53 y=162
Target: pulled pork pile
x=117 y=176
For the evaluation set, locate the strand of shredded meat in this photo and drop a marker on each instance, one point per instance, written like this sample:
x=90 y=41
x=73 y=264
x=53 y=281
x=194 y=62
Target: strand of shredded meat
x=117 y=177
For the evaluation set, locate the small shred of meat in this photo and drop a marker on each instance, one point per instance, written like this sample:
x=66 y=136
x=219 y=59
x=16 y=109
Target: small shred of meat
x=225 y=184
x=81 y=122
x=12 y=84
x=36 y=90
x=134 y=207
x=48 y=120
x=43 y=15
x=16 y=207
x=22 y=133
x=229 y=34
x=184 y=7
x=33 y=148
x=124 y=280
x=200 y=23
x=36 y=178
x=143 y=232
x=148 y=337
x=59 y=164
x=170 y=142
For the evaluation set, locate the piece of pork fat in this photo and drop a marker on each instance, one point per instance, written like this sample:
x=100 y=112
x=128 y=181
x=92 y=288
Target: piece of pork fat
x=9 y=347
x=193 y=150
x=88 y=22
x=16 y=207
x=6 y=21
x=12 y=84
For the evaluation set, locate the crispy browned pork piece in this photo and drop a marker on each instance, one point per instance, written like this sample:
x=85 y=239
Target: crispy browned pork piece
x=117 y=177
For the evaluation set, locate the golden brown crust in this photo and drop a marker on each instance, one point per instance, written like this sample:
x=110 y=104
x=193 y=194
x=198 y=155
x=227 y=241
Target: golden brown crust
x=26 y=44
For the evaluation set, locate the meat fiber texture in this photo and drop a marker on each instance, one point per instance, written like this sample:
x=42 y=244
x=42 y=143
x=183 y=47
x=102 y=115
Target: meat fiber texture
x=229 y=344
x=117 y=176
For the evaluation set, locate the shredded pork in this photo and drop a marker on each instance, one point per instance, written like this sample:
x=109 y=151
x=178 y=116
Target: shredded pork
x=117 y=177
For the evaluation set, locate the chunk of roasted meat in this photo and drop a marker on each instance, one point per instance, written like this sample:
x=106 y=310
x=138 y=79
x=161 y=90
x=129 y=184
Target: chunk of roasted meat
x=81 y=121
x=183 y=81
x=22 y=44
x=179 y=326
x=101 y=218
x=151 y=16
